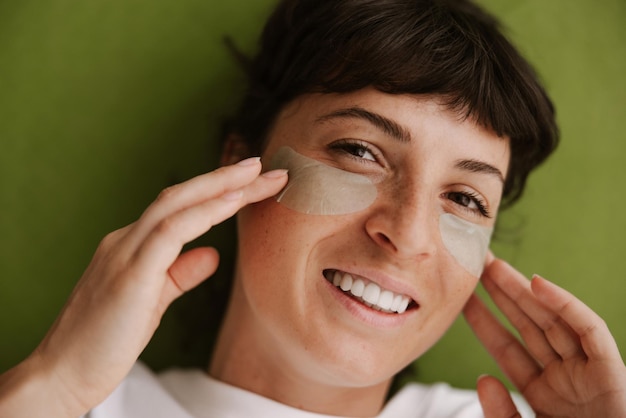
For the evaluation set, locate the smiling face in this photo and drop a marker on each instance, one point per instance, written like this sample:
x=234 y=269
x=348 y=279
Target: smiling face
x=426 y=164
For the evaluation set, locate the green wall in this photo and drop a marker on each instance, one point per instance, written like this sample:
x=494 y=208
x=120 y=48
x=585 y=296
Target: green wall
x=103 y=103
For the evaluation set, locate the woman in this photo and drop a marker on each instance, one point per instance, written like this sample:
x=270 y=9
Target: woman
x=391 y=133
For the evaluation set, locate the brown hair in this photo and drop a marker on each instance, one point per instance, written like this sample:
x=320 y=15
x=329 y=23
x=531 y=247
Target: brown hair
x=449 y=48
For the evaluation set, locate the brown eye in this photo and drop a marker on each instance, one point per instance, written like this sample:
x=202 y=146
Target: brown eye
x=358 y=150
x=462 y=199
x=469 y=202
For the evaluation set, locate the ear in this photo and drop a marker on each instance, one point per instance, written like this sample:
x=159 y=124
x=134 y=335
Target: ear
x=235 y=149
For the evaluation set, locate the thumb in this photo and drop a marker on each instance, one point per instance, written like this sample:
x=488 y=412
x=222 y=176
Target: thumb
x=189 y=270
x=495 y=398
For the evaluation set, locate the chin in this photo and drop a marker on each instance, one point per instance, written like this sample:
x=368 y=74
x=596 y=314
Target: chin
x=352 y=362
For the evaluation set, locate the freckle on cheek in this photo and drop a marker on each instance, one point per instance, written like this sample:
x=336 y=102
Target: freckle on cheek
x=315 y=188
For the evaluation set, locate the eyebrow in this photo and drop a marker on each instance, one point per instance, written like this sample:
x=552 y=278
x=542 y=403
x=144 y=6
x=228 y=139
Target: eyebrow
x=386 y=125
x=398 y=132
x=481 y=167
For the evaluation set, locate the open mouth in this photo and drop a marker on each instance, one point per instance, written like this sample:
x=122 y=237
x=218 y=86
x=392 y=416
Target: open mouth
x=369 y=293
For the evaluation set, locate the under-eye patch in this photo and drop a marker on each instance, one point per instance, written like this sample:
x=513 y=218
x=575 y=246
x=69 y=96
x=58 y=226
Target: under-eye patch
x=318 y=189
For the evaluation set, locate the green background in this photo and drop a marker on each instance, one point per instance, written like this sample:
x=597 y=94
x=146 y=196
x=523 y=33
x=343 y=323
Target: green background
x=104 y=103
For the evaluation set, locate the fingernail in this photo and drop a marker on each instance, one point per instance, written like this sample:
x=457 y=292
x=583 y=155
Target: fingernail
x=482 y=376
x=234 y=195
x=249 y=161
x=274 y=174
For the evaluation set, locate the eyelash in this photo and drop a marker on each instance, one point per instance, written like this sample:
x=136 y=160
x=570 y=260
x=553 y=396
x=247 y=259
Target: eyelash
x=481 y=207
x=350 y=147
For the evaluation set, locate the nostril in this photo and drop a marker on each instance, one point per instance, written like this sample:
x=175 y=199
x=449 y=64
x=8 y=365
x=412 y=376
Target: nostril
x=385 y=240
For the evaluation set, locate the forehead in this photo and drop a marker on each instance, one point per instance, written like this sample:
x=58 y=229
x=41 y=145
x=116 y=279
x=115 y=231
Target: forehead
x=411 y=122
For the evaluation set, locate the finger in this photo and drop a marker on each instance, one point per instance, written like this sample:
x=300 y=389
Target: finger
x=165 y=241
x=533 y=336
x=560 y=336
x=595 y=337
x=195 y=191
x=489 y=258
x=189 y=270
x=192 y=267
x=507 y=351
x=495 y=399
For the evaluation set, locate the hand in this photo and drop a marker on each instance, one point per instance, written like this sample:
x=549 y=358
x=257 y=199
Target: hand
x=569 y=366
x=135 y=274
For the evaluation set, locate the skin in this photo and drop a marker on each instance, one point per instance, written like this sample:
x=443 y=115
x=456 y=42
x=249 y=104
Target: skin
x=570 y=366
x=286 y=329
x=96 y=340
x=287 y=326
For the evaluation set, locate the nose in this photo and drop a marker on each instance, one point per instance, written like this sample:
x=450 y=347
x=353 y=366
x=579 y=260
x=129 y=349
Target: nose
x=406 y=226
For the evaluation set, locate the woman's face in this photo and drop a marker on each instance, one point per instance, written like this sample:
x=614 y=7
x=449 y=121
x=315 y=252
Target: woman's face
x=420 y=164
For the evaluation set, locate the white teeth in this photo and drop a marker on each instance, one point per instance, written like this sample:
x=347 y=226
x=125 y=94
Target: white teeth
x=385 y=300
x=337 y=278
x=369 y=293
x=357 y=288
x=346 y=282
x=404 y=304
x=396 y=303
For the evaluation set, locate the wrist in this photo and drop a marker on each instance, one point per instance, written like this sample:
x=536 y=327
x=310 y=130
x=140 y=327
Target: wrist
x=33 y=388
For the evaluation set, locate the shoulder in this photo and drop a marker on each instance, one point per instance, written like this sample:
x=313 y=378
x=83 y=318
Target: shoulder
x=186 y=393
x=440 y=400
x=140 y=395
x=191 y=393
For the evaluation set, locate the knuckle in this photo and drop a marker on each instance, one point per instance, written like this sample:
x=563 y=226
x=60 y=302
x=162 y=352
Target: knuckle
x=167 y=226
x=167 y=193
x=110 y=240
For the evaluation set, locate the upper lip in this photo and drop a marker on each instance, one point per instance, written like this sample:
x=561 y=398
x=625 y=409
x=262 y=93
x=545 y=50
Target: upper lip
x=383 y=280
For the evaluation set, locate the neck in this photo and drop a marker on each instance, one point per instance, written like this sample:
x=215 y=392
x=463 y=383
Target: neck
x=249 y=357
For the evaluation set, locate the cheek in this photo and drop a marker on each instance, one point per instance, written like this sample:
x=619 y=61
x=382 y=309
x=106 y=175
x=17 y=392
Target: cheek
x=448 y=300
x=464 y=247
x=466 y=242
x=263 y=235
x=274 y=246
x=318 y=189
x=262 y=259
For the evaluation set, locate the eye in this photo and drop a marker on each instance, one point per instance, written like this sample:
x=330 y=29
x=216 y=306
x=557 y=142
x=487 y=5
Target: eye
x=357 y=150
x=469 y=201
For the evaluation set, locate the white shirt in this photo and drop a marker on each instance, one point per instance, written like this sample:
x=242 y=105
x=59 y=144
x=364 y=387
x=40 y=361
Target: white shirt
x=194 y=394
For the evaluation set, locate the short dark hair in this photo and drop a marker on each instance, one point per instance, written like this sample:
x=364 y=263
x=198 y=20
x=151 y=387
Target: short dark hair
x=448 y=48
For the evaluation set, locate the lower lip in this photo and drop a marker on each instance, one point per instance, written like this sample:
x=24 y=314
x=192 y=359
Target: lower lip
x=366 y=314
